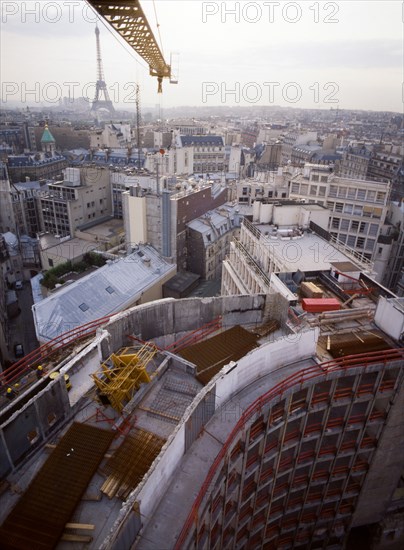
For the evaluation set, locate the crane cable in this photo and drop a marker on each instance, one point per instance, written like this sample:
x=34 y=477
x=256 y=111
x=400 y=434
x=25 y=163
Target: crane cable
x=124 y=44
x=158 y=28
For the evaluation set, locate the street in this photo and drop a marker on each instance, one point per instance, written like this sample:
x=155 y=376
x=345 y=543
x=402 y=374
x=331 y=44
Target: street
x=22 y=329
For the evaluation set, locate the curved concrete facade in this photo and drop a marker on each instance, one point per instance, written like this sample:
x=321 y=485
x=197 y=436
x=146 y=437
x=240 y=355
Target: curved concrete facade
x=307 y=462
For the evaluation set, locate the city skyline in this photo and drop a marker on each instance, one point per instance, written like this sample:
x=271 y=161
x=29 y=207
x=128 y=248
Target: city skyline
x=352 y=60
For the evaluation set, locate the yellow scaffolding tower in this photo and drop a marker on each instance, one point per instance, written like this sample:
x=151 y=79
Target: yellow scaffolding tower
x=121 y=375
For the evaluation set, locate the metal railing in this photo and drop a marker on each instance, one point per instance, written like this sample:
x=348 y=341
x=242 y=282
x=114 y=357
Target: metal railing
x=36 y=357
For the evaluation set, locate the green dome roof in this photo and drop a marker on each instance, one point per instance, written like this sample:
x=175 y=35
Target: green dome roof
x=47 y=136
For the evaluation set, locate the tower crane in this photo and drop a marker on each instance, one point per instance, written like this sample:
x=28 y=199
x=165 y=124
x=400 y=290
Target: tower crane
x=128 y=19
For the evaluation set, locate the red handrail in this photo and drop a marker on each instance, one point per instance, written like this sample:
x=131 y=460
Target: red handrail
x=27 y=363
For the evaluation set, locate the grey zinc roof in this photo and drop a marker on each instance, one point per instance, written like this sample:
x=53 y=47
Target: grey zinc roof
x=207 y=140
x=106 y=291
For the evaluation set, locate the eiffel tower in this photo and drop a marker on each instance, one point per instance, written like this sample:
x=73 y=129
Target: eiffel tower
x=100 y=86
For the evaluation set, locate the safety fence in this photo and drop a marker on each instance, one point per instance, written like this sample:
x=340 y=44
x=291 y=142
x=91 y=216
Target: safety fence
x=28 y=363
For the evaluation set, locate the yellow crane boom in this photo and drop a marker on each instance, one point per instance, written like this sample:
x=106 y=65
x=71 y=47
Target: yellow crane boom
x=128 y=19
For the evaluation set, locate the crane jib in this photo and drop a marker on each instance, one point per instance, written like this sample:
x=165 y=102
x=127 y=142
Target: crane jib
x=130 y=22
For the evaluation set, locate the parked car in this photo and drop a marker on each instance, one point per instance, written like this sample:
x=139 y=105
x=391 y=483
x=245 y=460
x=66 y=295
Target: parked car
x=19 y=350
x=19 y=285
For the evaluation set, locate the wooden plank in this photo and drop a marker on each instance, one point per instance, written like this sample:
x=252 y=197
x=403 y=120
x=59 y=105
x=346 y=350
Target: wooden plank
x=86 y=526
x=76 y=538
x=92 y=497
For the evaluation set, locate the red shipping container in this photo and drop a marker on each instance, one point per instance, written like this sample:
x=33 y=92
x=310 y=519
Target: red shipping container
x=317 y=305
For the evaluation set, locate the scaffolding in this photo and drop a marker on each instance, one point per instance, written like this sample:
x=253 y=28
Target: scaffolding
x=122 y=374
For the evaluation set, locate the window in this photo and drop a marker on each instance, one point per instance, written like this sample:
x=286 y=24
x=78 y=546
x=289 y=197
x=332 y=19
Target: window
x=380 y=250
x=363 y=227
x=373 y=229
x=313 y=190
x=370 y=244
x=354 y=225
x=321 y=191
x=338 y=206
x=351 y=192
x=360 y=242
x=348 y=209
x=84 y=306
x=342 y=192
x=295 y=188
x=335 y=223
x=371 y=196
x=351 y=240
x=333 y=190
x=323 y=179
x=314 y=177
x=304 y=189
x=361 y=194
x=380 y=197
x=50 y=262
x=358 y=210
x=344 y=225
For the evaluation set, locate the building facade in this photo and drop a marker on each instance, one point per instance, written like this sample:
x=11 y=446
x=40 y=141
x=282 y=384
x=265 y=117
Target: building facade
x=209 y=152
x=83 y=196
x=208 y=241
x=358 y=207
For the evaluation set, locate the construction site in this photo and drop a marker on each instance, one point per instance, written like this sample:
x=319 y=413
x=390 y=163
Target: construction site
x=231 y=422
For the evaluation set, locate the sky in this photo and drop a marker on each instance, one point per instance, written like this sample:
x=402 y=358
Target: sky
x=306 y=54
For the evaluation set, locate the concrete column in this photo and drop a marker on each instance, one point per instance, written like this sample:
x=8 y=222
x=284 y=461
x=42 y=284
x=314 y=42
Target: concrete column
x=385 y=470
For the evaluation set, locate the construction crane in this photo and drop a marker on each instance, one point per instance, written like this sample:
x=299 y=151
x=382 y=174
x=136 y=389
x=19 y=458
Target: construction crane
x=128 y=19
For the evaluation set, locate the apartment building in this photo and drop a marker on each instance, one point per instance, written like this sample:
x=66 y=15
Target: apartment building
x=83 y=196
x=280 y=248
x=294 y=139
x=161 y=218
x=265 y=184
x=358 y=207
x=173 y=161
x=7 y=218
x=208 y=240
x=208 y=152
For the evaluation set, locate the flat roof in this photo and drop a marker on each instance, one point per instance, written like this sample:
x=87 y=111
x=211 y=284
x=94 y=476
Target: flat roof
x=68 y=249
x=181 y=281
x=308 y=252
x=107 y=290
x=345 y=267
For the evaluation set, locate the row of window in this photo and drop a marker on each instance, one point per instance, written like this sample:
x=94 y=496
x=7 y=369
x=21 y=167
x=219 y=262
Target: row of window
x=356 y=242
x=367 y=195
x=356 y=226
x=355 y=209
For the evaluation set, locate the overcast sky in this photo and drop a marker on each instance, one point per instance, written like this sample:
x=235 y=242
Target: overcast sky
x=304 y=54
